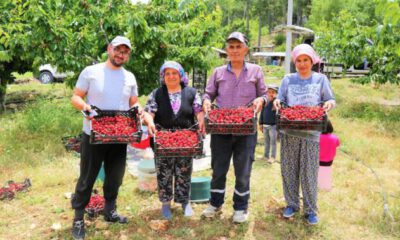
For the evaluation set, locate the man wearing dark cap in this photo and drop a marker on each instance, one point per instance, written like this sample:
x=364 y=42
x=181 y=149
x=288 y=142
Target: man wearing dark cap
x=233 y=85
x=107 y=86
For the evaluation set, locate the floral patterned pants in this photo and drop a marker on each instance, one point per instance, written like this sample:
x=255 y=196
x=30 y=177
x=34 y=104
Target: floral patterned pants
x=177 y=170
x=299 y=164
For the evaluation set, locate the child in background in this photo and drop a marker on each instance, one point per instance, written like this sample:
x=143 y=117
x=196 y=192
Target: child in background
x=268 y=124
x=328 y=144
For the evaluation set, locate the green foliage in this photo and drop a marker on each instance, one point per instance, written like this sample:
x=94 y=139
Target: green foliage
x=238 y=25
x=343 y=41
x=384 y=54
x=73 y=34
x=279 y=39
x=23 y=76
x=184 y=33
x=326 y=10
x=232 y=10
x=43 y=117
x=4 y=56
x=35 y=134
x=349 y=38
x=280 y=48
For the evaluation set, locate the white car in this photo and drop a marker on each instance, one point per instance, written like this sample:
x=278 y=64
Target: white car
x=49 y=74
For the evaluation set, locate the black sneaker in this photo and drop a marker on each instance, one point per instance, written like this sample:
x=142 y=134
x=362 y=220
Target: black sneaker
x=113 y=217
x=78 y=229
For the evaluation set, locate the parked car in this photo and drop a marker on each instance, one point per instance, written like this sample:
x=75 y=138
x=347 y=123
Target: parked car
x=49 y=74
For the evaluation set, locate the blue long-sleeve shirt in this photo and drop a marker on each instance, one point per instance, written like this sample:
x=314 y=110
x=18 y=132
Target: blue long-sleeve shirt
x=306 y=92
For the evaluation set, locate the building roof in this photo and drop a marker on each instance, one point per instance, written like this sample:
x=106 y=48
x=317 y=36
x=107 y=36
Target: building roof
x=295 y=29
x=218 y=50
x=269 y=54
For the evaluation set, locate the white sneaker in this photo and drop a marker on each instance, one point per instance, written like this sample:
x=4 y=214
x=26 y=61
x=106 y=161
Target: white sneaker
x=211 y=211
x=240 y=216
x=187 y=210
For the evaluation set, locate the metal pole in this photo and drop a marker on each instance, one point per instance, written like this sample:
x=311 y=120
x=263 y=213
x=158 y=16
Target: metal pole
x=288 y=36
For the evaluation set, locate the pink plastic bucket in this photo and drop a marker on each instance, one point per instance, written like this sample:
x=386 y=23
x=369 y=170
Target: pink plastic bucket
x=325 y=178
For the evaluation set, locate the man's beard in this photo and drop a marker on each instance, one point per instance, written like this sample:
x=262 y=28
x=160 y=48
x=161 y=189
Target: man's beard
x=116 y=64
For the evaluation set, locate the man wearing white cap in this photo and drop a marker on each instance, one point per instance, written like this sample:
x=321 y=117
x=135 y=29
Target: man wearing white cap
x=107 y=86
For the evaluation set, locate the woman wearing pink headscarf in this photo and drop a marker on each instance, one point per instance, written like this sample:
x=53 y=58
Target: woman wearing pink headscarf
x=300 y=148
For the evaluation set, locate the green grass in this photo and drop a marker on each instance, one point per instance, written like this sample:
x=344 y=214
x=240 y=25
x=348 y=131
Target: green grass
x=32 y=135
x=275 y=72
x=17 y=93
x=366 y=124
x=18 y=76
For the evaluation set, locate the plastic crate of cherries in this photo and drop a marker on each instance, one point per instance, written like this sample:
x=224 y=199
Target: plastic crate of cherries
x=72 y=143
x=96 y=205
x=178 y=143
x=113 y=126
x=236 y=121
x=302 y=118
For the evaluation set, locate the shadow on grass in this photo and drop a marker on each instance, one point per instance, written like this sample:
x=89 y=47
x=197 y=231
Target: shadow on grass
x=97 y=228
x=272 y=225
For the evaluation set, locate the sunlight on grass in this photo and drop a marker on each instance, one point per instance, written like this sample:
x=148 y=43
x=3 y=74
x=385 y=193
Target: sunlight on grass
x=22 y=76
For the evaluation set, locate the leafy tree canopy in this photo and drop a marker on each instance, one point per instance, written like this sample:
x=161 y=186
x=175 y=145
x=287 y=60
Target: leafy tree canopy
x=350 y=37
x=72 y=34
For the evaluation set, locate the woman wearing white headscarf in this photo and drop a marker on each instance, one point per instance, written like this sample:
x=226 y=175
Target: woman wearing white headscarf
x=300 y=148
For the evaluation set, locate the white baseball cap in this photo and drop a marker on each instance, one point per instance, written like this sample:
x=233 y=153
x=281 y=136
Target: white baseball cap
x=120 y=40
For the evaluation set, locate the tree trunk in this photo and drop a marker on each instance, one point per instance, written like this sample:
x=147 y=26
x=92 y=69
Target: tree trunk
x=3 y=88
x=284 y=12
x=269 y=20
x=299 y=13
x=247 y=18
x=259 y=32
x=244 y=10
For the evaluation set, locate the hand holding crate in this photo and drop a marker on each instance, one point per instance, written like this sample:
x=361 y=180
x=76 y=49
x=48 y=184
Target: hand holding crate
x=178 y=143
x=236 y=121
x=113 y=126
x=302 y=118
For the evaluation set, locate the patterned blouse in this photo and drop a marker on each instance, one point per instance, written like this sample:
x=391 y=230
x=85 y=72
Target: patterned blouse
x=175 y=98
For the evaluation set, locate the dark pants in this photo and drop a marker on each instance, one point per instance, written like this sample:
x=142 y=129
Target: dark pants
x=177 y=170
x=222 y=148
x=92 y=156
